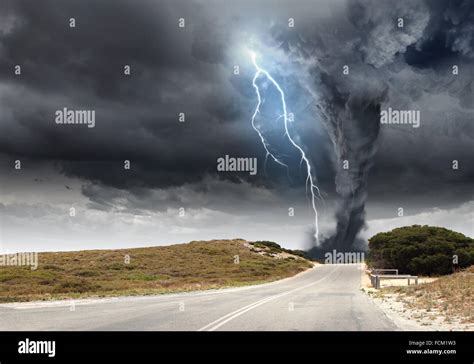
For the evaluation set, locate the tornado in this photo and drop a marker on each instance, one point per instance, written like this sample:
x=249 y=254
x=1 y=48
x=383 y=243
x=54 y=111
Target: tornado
x=352 y=121
x=356 y=63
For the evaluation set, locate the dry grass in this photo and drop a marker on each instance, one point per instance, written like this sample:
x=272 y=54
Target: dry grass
x=451 y=296
x=97 y=273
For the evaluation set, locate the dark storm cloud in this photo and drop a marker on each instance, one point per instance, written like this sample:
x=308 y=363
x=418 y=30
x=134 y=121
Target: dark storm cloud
x=189 y=70
x=107 y=36
x=173 y=70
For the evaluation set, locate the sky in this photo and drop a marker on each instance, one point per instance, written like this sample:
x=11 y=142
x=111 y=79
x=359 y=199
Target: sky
x=173 y=191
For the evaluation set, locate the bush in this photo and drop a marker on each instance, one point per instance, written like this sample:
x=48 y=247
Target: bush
x=420 y=250
x=274 y=248
x=269 y=244
x=300 y=253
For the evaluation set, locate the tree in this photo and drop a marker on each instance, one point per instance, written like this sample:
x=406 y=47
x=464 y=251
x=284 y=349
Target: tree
x=421 y=250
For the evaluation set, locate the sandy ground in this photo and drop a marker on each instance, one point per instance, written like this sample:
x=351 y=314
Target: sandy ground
x=417 y=319
x=407 y=318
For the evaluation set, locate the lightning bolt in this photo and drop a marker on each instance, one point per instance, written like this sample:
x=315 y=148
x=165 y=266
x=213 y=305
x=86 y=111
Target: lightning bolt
x=314 y=190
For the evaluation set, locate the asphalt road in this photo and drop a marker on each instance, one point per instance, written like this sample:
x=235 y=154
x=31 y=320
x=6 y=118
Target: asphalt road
x=327 y=297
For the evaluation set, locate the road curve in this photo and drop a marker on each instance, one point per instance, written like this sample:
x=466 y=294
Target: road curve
x=327 y=297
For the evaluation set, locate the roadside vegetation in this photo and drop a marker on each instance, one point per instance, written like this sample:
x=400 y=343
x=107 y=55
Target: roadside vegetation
x=272 y=248
x=197 y=265
x=421 y=250
x=451 y=297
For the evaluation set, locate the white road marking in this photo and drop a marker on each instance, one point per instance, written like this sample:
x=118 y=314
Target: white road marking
x=230 y=316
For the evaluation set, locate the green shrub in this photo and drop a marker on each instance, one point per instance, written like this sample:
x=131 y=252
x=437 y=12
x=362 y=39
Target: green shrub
x=274 y=248
x=420 y=250
x=300 y=253
x=269 y=244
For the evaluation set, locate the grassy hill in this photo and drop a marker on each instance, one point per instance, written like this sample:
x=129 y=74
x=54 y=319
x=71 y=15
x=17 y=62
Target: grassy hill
x=197 y=265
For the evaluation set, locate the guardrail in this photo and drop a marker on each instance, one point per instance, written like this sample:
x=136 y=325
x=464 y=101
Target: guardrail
x=376 y=277
x=385 y=270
